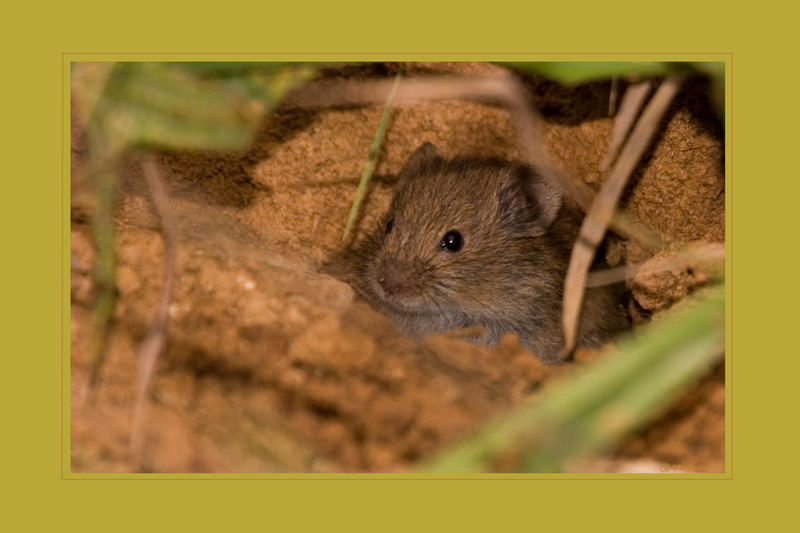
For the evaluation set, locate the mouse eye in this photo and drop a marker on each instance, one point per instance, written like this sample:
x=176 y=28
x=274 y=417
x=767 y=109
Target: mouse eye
x=452 y=241
x=389 y=226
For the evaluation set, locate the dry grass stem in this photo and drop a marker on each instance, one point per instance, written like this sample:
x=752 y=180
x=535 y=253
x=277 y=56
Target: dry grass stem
x=601 y=212
x=608 y=276
x=612 y=96
x=632 y=103
x=153 y=345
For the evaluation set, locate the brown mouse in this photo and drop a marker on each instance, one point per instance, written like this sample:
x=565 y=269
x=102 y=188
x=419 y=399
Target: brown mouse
x=480 y=242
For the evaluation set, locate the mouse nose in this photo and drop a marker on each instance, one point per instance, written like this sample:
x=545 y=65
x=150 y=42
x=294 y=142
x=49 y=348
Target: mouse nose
x=393 y=280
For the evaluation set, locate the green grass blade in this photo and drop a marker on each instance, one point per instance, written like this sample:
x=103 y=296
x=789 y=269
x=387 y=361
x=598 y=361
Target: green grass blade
x=369 y=168
x=575 y=72
x=586 y=413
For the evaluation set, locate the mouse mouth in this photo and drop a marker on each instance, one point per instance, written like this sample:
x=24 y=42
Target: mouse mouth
x=401 y=300
x=398 y=292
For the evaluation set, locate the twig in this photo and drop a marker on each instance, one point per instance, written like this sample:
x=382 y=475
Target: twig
x=369 y=168
x=153 y=345
x=609 y=276
x=632 y=103
x=706 y=260
x=602 y=210
x=627 y=225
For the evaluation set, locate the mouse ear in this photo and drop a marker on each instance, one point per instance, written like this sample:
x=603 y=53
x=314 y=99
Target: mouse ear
x=417 y=161
x=528 y=202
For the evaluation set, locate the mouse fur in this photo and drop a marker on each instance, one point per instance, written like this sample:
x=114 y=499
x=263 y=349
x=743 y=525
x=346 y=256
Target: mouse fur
x=503 y=271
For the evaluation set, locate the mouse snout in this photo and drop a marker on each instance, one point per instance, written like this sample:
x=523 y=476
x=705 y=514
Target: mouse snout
x=394 y=279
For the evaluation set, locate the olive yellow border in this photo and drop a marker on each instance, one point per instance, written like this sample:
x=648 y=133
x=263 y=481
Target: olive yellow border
x=760 y=195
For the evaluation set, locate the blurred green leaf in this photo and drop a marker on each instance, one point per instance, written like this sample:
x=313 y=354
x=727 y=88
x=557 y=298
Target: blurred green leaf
x=87 y=82
x=167 y=106
x=592 y=409
x=178 y=106
x=575 y=72
x=716 y=71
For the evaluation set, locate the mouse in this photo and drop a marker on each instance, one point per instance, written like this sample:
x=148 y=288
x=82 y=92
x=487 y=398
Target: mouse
x=480 y=242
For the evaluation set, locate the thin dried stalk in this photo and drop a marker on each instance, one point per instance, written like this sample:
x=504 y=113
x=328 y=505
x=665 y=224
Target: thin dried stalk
x=601 y=212
x=153 y=345
x=705 y=260
x=627 y=225
x=632 y=103
x=612 y=96
x=609 y=276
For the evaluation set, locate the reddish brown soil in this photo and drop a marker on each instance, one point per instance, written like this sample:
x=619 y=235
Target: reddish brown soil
x=272 y=366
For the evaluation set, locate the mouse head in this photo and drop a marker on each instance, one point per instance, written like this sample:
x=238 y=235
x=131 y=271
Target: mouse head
x=456 y=229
